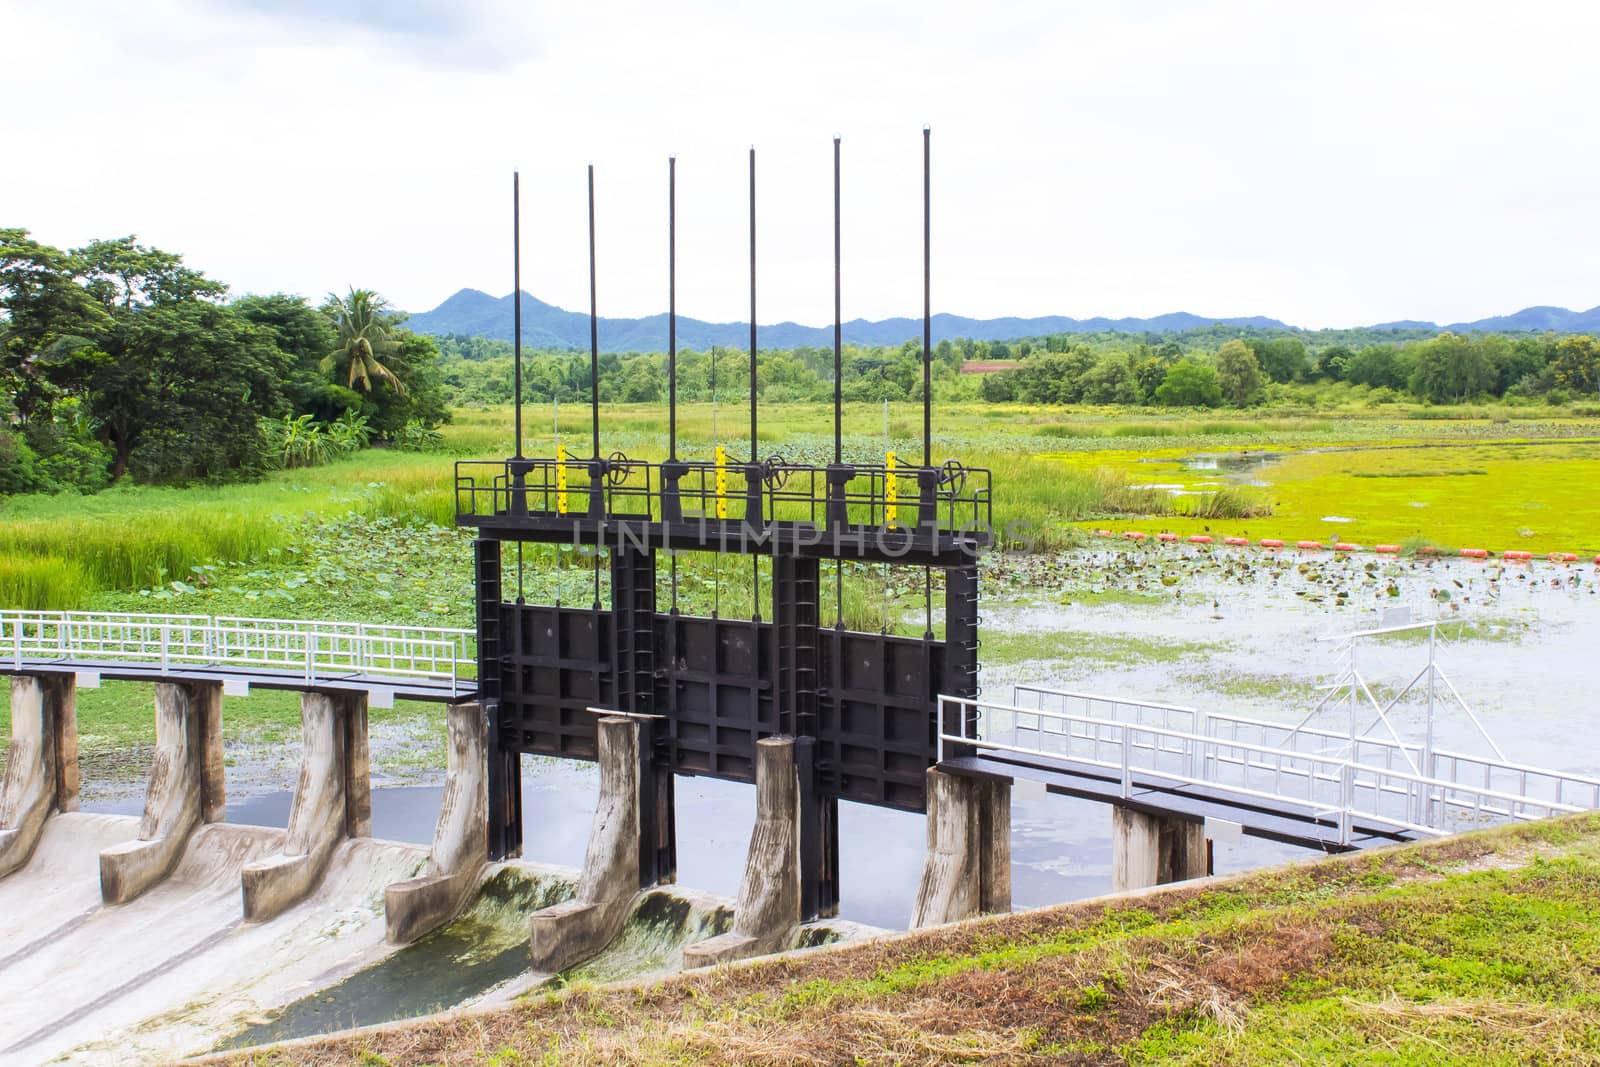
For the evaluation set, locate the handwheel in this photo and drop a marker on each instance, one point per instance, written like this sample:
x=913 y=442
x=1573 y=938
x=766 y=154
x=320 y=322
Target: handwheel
x=952 y=477
x=618 y=467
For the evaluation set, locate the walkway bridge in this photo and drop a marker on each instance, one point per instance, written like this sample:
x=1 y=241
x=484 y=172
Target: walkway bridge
x=1334 y=790
x=385 y=662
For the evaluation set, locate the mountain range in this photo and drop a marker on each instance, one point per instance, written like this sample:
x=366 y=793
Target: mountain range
x=471 y=312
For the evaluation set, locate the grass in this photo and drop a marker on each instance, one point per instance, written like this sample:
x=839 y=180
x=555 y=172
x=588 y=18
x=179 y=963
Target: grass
x=1475 y=949
x=1082 y=649
x=1055 y=472
x=62 y=552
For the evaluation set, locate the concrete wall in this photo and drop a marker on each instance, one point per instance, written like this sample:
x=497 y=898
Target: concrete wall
x=1149 y=850
x=460 y=850
x=333 y=797
x=967 y=869
x=767 y=916
x=577 y=929
x=42 y=765
x=185 y=789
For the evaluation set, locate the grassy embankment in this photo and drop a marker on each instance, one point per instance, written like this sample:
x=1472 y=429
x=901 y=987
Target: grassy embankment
x=1479 y=949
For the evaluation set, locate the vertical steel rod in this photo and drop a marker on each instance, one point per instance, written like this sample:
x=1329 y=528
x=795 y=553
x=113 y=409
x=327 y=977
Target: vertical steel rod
x=927 y=303
x=755 y=561
x=516 y=300
x=752 y=304
x=594 y=335
x=838 y=395
x=672 y=307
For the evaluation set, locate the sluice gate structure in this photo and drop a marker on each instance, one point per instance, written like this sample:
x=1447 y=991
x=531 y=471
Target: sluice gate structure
x=787 y=699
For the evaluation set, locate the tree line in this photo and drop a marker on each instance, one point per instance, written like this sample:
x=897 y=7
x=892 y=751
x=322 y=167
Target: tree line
x=1209 y=367
x=118 y=360
x=1242 y=372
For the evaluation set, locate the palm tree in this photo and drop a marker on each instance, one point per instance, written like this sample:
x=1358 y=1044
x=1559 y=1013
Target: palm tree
x=363 y=331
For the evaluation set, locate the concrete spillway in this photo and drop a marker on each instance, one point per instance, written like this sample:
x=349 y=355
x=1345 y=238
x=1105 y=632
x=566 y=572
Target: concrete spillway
x=174 y=971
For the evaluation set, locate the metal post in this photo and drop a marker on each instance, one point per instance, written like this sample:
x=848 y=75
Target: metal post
x=753 y=445
x=927 y=303
x=672 y=307
x=594 y=335
x=516 y=301
x=1355 y=680
x=838 y=395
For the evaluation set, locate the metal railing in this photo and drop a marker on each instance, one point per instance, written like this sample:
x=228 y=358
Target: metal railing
x=875 y=495
x=316 y=650
x=1234 y=757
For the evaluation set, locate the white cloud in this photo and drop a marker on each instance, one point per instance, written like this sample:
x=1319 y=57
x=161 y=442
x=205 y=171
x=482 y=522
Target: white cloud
x=1324 y=165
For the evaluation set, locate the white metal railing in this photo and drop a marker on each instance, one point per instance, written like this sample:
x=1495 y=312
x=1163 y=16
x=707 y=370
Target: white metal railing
x=317 y=650
x=1176 y=746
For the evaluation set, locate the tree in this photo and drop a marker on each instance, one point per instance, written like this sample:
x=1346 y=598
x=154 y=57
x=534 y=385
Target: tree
x=361 y=330
x=123 y=275
x=1377 y=366
x=1190 y=383
x=1577 y=363
x=1332 y=361
x=177 y=388
x=1238 y=373
x=1282 y=358
x=1150 y=373
x=307 y=336
x=1110 y=381
x=46 y=313
x=1450 y=368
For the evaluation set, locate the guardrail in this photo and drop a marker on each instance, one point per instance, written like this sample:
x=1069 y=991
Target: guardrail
x=316 y=649
x=1183 y=749
x=952 y=497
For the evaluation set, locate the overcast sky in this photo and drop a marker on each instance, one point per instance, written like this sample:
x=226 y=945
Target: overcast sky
x=1327 y=164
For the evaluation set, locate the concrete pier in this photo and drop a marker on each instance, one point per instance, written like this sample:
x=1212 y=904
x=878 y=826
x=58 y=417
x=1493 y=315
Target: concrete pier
x=42 y=767
x=460 y=850
x=578 y=929
x=967 y=870
x=767 y=916
x=184 y=791
x=1149 y=850
x=332 y=802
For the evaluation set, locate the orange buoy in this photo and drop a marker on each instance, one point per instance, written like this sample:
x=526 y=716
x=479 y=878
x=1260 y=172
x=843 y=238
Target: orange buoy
x=1346 y=546
x=1514 y=554
x=1566 y=557
x=1388 y=550
x=1199 y=539
x=1104 y=533
x=1475 y=553
x=1133 y=535
x=1427 y=550
x=1273 y=542
x=1236 y=541
x=1317 y=545
x=1166 y=537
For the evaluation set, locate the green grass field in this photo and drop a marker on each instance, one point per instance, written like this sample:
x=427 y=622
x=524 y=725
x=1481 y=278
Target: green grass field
x=1454 y=482
x=372 y=537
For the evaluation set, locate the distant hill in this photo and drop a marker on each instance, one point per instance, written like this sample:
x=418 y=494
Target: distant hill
x=477 y=314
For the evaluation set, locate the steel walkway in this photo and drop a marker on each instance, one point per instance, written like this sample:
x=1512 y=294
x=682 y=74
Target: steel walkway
x=387 y=662
x=1285 y=781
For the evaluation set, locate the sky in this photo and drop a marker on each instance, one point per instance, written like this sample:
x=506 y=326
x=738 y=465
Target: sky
x=1327 y=165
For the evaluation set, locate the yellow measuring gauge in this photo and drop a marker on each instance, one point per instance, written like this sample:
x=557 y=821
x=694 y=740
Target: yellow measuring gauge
x=561 y=479
x=722 y=482
x=891 y=490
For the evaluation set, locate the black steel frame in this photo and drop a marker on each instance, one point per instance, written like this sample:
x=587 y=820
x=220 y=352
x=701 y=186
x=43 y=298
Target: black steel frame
x=862 y=707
